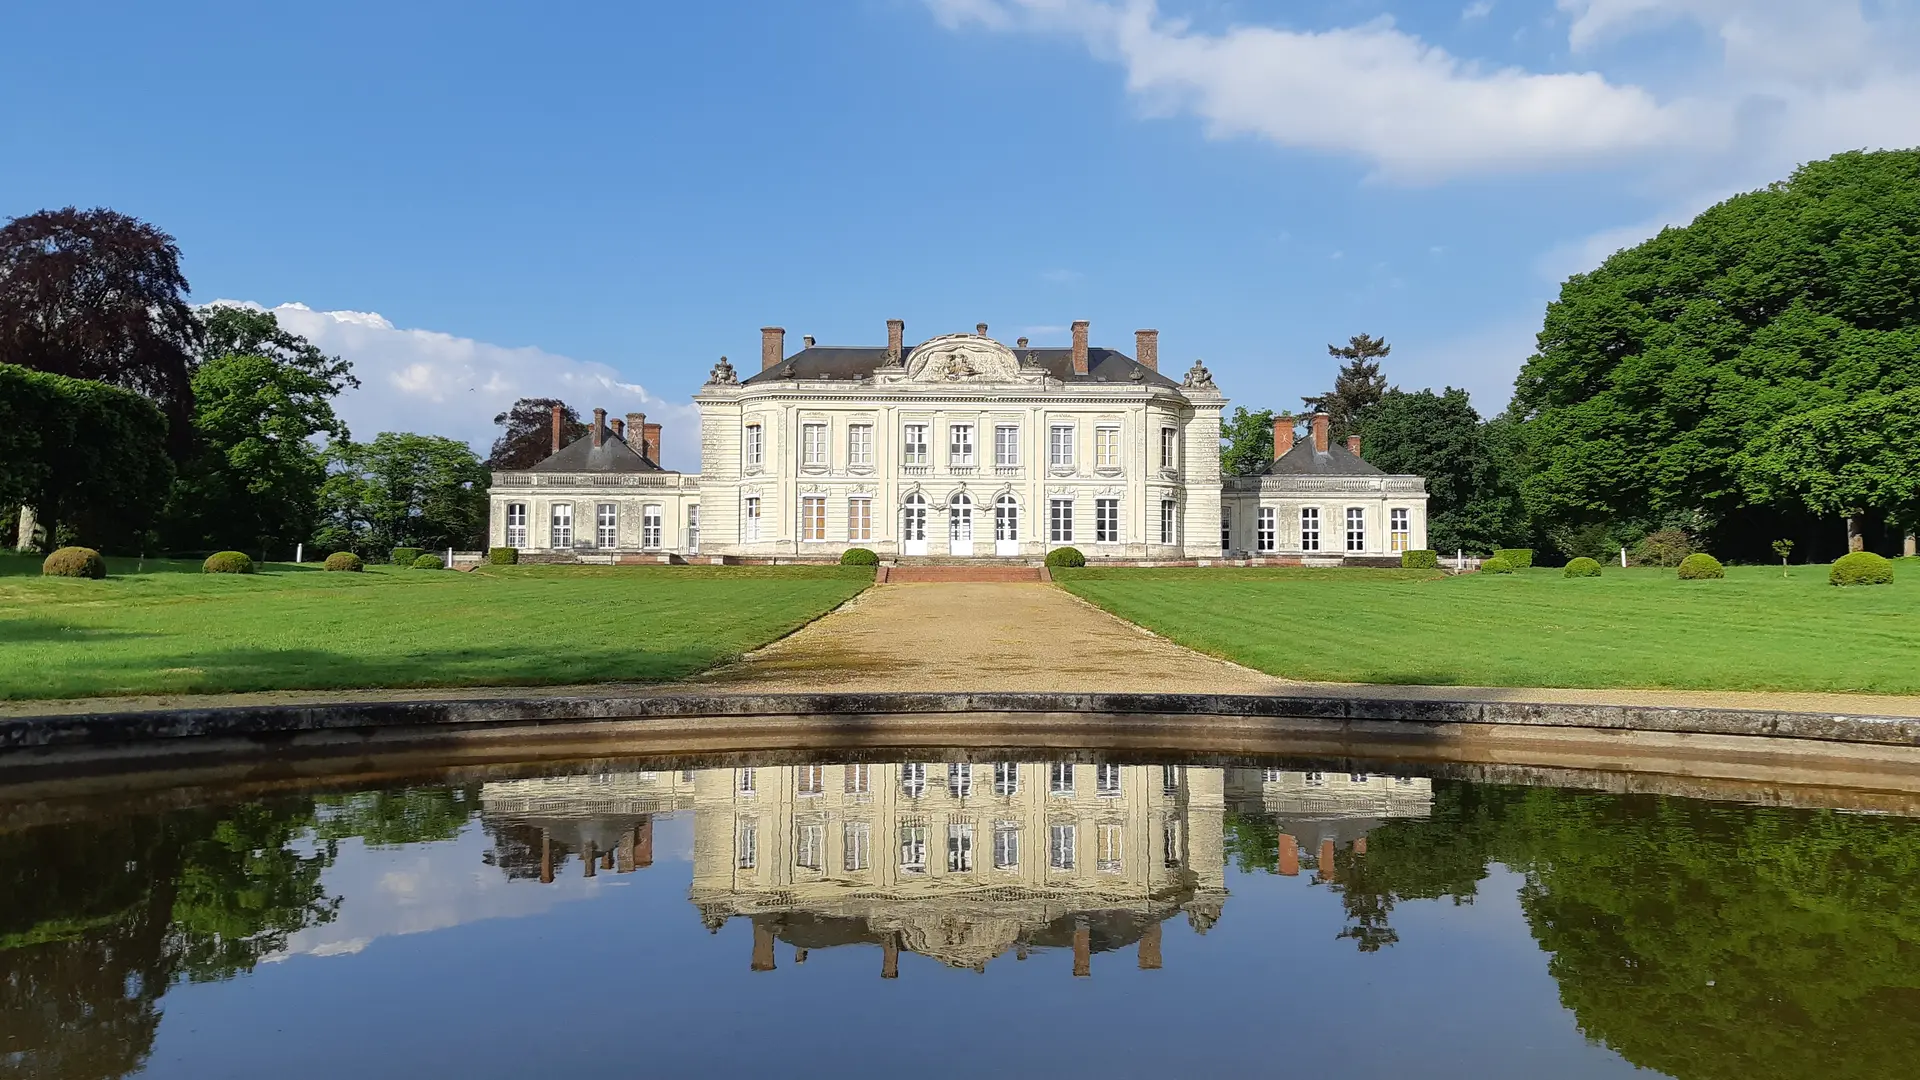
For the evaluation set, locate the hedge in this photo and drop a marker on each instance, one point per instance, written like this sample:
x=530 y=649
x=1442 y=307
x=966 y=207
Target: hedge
x=1701 y=566
x=503 y=556
x=1420 y=560
x=1496 y=565
x=77 y=562
x=345 y=562
x=1066 y=556
x=1861 y=568
x=859 y=557
x=228 y=562
x=1581 y=567
x=404 y=556
x=1519 y=558
x=428 y=562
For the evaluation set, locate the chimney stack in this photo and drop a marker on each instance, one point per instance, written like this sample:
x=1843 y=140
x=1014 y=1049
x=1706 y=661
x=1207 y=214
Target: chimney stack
x=1021 y=343
x=636 y=430
x=807 y=339
x=773 y=346
x=1282 y=436
x=980 y=329
x=1146 y=348
x=650 y=442
x=1320 y=421
x=599 y=426
x=1079 y=346
x=1353 y=445
x=557 y=411
x=1289 y=855
x=896 y=341
x=619 y=428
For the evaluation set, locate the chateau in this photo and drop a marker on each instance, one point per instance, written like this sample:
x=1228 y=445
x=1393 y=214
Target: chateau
x=958 y=447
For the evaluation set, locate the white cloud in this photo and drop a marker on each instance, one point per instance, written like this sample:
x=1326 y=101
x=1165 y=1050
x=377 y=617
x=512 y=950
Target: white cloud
x=440 y=384
x=1479 y=9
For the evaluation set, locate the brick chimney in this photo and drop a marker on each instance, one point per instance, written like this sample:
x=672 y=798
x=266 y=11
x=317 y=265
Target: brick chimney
x=1146 y=348
x=1150 y=949
x=1289 y=855
x=636 y=430
x=557 y=411
x=979 y=329
x=599 y=427
x=773 y=346
x=896 y=340
x=619 y=428
x=1353 y=445
x=1282 y=436
x=650 y=442
x=1079 y=346
x=1320 y=422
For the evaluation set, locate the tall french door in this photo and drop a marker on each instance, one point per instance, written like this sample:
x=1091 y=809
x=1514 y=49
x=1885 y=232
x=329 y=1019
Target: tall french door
x=960 y=525
x=1006 y=527
x=913 y=525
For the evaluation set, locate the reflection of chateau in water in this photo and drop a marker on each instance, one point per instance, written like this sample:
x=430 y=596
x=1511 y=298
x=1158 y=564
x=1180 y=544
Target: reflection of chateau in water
x=959 y=862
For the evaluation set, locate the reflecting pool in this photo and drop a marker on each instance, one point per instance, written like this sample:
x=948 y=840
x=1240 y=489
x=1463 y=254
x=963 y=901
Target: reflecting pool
x=954 y=915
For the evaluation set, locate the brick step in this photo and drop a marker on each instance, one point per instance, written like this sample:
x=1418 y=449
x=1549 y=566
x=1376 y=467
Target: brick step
x=894 y=575
x=961 y=560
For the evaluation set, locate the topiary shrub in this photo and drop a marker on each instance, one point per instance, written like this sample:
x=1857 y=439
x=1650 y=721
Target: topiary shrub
x=404 y=556
x=1496 y=565
x=344 y=562
x=1518 y=558
x=1066 y=556
x=859 y=557
x=75 y=562
x=1663 y=547
x=228 y=562
x=1701 y=566
x=1581 y=568
x=428 y=562
x=1861 y=568
x=1420 y=560
x=503 y=556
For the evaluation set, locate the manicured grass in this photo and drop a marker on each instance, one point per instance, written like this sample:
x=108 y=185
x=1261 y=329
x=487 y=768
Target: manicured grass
x=171 y=629
x=1629 y=628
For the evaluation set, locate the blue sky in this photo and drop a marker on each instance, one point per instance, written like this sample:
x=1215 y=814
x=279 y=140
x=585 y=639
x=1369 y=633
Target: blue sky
x=598 y=200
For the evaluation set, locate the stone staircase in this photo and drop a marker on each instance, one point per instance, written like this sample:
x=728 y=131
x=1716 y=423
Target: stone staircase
x=917 y=572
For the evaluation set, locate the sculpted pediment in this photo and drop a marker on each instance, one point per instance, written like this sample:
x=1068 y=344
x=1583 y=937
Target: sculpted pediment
x=962 y=358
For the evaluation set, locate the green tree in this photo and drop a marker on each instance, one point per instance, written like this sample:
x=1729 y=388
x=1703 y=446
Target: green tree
x=1848 y=460
x=392 y=818
x=526 y=438
x=1357 y=386
x=400 y=490
x=1657 y=372
x=1472 y=499
x=86 y=456
x=232 y=330
x=1248 y=438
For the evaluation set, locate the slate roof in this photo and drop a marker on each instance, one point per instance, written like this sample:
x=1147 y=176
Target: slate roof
x=1303 y=461
x=611 y=456
x=860 y=361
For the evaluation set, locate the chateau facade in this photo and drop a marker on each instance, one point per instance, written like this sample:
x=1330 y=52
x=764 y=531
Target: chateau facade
x=958 y=447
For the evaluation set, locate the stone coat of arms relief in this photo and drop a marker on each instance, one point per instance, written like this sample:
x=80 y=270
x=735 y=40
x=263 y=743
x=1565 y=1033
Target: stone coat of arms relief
x=955 y=358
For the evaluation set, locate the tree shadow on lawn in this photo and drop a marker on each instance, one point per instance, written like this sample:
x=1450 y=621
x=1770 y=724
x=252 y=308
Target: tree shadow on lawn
x=38 y=631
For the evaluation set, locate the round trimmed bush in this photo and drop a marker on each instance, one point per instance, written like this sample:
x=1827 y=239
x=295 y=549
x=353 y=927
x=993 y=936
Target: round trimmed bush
x=1420 y=560
x=1582 y=567
x=1861 y=568
x=228 y=562
x=404 y=556
x=344 y=561
x=1518 y=558
x=1496 y=565
x=75 y=562
x=428 y=562
x=859 y=557
x=503 y=556
x=1066 y=556
x=1701 y=566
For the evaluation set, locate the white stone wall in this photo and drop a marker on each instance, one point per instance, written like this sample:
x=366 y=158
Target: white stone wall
x=1375 y=496
x=677 y=495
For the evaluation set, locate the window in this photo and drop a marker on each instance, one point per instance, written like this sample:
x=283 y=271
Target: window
x=860 y=444
x=1006 y=779
x=856 y=840
x=1399 y=529
x=693 y=527
x=913 y=848
x=1169 y=444
x=1226 y=529
x=810 y=779
x=744 y=781
x=859 y=519
x=516 y=525
x=1106 y=521
x=1170 y=846
x=959 y=781
x=746 y=844
x=1314 y=779
x=960 y=444
x=813 y=445
x=1109 y=859
x=1061 y=840
x=1166 y=521
x=1266 y=534
x=1357 y=778
x=960 y=847
x=1356 y=529
x=913 y=445
x=1170 y=779
x=809 y=844
x=1060 y=446
x=813 y=517
x=1006 y=845
x=750 y=519
x=756 y=446
x=1006 y=518
x=1309 y=528
x=859 y=779
x=1060 y=521
x=913 y=780
x=1106 y=447
x=560 y=526
x=1060 y=778
x=1006 y=444
x=650 y=530
x=1270 y=776
x=1106 y=779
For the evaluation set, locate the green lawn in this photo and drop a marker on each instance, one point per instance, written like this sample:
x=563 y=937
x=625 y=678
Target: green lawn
x=167 y=628
x=1630 y=628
